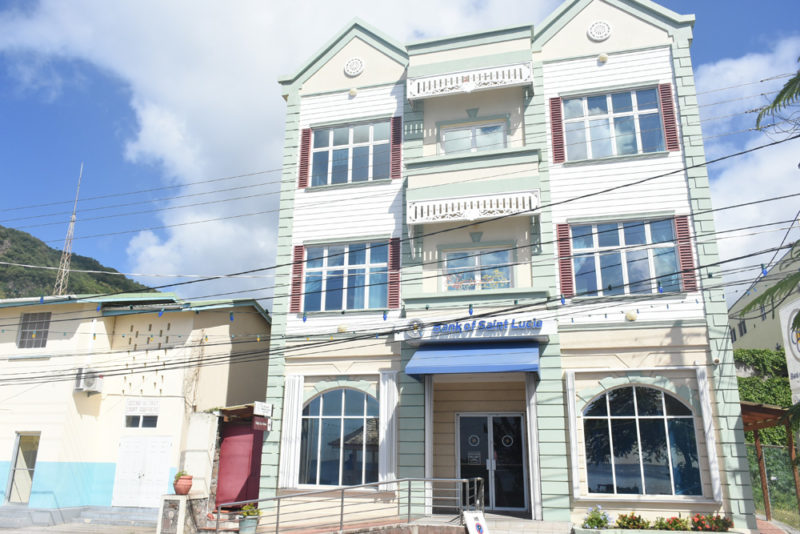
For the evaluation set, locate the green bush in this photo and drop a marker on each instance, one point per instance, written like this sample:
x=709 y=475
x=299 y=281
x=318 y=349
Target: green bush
x=596 y=518
x=711 y=523
x=672 y=523
x=632 y=521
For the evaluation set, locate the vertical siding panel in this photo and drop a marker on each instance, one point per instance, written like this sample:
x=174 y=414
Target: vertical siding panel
x=394 y=273
x=685 y=258
x=296 y=298
x=557 y=131
x=668 y=117
x=396 y=152
x=305 y=149
x=565 y=261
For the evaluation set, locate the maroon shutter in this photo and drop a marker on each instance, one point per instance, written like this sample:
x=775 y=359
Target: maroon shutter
x=394 y=272
x=396 y=152
x=668 y=117
x=565 y=261
x=685 y=258
x=305 y=148
x=296 y=298
x=557 y=131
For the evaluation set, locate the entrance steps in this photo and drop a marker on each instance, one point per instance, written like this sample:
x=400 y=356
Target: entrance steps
x=228 y=522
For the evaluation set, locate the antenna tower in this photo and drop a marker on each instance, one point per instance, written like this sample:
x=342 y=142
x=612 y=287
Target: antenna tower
x=66 y=255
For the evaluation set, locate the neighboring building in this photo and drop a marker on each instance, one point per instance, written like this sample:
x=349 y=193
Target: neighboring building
x=105 y=398
x=761 y=328
x=490 y=244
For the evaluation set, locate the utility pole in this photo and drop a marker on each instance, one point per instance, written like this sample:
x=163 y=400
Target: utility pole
x=63 y=268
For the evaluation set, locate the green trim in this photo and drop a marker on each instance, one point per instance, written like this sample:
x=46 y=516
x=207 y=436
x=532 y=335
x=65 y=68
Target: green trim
x=364 y=386
x=500 y=245
x=633 y=377
x=464 y=40
x=622 y=298
x=489 y=186
x=328 y=187
x=610 y=54
x=473 y=160
x=615 y=159
x=347 y=240
x=356 y=28
x=627 y=325
x=482 y=298
x=454 y=66
x=358 y=87
x=345 y=122
x=640 y=215
x=606 y=89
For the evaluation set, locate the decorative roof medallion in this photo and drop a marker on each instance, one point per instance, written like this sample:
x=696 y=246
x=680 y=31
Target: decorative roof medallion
x=599 y=30
x=354 y=66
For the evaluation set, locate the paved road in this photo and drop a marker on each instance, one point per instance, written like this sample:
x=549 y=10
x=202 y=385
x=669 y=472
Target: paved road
x=80 y=528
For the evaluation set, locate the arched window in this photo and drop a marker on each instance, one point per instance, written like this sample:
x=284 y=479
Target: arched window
x=339 y=443
x=640 y=440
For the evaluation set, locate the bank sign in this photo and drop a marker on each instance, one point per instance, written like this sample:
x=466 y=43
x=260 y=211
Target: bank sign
x=500 y=327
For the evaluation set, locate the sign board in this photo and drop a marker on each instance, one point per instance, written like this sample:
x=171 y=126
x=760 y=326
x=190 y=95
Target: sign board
x=141 y=406
x=476 y=523
x=261 y=423
x=262 y=408
x=791 y=341
x=495 y=328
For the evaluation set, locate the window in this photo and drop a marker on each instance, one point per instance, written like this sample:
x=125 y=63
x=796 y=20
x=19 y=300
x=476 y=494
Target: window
x=763 y=312
x=615 y=124
x=625 y=258
x=742 y=328
x=346 y=277
x=141 y=421
x=733 y=335
x=476 y=270
x=349 y=154
x=339 y=439
x=640 y=440
x=33 y=328
x=473 y=138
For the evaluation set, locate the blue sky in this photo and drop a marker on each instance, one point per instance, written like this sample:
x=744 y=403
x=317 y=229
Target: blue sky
x=155 y=96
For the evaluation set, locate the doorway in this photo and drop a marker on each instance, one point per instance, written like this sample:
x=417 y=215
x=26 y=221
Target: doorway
x=492 y=446
x=21 y=482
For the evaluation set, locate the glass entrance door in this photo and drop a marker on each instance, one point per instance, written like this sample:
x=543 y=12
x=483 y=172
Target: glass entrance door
x=492 y=447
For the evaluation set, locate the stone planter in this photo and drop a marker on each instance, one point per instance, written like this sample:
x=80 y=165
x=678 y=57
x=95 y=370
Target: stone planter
x=183 y=485
x=248 y=524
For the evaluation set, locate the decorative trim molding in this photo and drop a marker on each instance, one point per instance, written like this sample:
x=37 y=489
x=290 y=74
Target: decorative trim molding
x=290 y=440
x=472 y=208
x=516 y=75
x=387 y=423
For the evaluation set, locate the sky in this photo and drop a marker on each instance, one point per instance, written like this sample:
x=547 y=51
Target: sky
x=174 y=110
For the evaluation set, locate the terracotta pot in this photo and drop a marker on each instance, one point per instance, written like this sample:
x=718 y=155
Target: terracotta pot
x=183 y=485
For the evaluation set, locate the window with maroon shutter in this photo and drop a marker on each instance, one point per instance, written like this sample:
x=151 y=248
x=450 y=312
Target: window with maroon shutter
x=557 y=130
x=565 y=261
x=685 y=257
x=668 y=117
x=354 y=153
x=296 y=297
x=397 y=147
x=394 y=273
x=305 y=147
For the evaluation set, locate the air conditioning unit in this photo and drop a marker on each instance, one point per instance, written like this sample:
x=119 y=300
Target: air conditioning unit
x=89 y=381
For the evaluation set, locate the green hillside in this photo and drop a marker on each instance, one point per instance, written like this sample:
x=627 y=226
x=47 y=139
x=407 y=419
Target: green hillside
x=22 y=247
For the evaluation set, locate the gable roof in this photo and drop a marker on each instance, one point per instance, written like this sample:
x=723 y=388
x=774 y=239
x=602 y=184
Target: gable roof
x=355 y=28
x=647 y=10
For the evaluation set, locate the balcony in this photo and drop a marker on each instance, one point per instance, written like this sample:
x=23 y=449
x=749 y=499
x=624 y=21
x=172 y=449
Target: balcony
x=515 y=75
x=472 y=208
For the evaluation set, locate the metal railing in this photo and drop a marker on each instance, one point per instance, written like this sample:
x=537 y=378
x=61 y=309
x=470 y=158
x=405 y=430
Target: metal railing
x=397 y=501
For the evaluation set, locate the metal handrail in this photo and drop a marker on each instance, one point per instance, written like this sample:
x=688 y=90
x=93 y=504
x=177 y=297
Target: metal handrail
x=471 y=499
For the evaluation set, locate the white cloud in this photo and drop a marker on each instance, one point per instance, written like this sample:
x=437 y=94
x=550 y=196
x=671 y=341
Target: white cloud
x=203 y=82
x=770 y=172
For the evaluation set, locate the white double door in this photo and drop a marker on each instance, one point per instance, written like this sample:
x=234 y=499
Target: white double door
x=142 y=474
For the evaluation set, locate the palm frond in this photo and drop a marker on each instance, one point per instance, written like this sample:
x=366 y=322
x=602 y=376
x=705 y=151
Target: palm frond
x=787 y=96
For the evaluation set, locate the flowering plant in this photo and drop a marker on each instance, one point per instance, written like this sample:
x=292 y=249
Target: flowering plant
x=671 y=523
x=632 y=521
x=596 y=518
x=711 y=523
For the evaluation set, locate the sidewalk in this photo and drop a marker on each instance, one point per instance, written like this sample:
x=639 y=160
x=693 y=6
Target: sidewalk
x=80 y=528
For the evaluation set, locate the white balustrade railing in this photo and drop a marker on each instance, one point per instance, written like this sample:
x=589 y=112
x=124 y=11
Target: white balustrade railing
x=469 y=81
x=472 y=208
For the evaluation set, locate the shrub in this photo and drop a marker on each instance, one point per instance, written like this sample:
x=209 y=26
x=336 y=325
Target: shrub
x=249 y=510
x=711 y=523
x=632 y=521
x=672 y=523
x=596 y=518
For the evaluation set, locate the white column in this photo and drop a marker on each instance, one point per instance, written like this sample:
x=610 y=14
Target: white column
x=290 y=431
x=387 y=445
x=428 y=443
x=534 y=473
x=708 y=431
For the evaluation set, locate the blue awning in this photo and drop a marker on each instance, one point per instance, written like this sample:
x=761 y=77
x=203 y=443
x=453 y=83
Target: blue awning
x=474 y=358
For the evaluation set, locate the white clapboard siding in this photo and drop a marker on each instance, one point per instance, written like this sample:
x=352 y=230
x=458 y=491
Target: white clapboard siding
x=659 y=308
x=348 y=212
x=632 y=69
x=352 y=321
x=386 y=101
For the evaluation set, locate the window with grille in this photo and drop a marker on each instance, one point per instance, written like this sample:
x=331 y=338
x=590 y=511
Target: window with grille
x=33 y=330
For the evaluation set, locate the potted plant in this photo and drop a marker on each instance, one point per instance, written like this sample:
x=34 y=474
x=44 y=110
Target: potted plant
x=249 y=519
x=182 y=483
